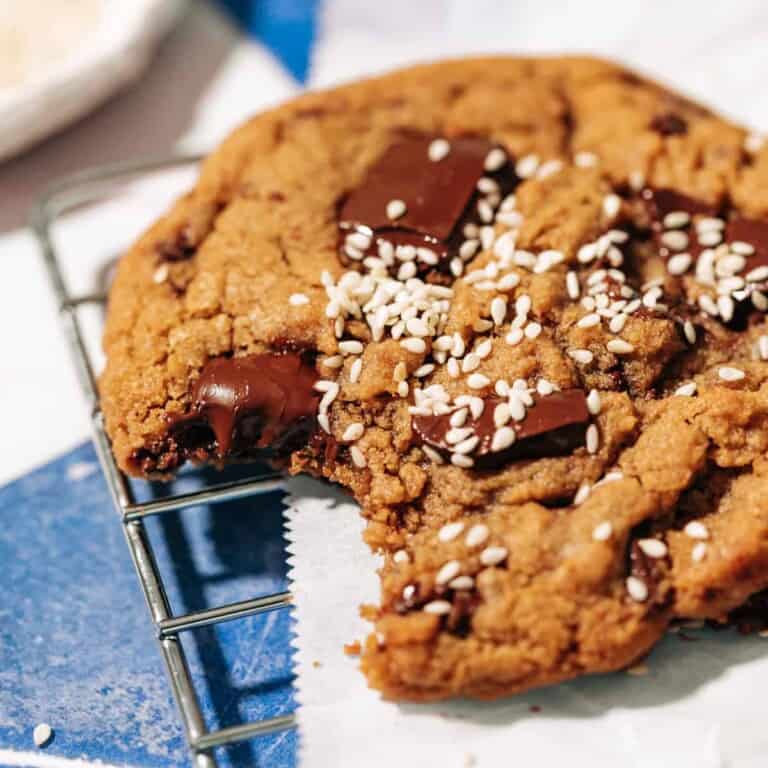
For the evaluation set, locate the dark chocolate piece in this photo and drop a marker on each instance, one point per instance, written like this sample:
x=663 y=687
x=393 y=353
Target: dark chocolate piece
x=669 y=124
x=440 y=196
x=259 y=401
x=555 y=425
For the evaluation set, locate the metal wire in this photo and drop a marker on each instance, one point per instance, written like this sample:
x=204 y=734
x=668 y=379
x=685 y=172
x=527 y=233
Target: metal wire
x=62 y=196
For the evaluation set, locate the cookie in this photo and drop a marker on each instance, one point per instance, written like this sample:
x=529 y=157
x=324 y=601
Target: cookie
x=517 y=308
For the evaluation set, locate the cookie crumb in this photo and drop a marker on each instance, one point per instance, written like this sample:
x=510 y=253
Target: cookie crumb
x=470 y=761
x=42 y=735
x=353 y=648
x=637 y=670
x=534 y=708
x=316 y=664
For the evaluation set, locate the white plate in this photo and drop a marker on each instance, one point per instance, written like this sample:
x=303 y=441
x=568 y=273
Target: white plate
x=116 y=52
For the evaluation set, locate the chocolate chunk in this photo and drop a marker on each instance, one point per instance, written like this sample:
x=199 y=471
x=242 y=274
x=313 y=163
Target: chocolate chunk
x=669 y=124
x=555 y=425
x=260 y=401
x=439 y=197
x=660 y=202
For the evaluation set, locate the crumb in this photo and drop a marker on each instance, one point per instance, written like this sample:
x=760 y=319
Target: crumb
x=469 y=760
x=316 y=664
x=637 y=670
x=42 y=734
x=534 y=708
x=353 y=648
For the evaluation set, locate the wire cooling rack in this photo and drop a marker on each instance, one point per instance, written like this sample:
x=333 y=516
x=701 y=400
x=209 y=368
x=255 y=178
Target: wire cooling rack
x=62 y=197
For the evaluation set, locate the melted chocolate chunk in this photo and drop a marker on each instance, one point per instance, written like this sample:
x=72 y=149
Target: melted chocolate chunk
x=440 y=197
x=260 y=401
x=660 y=202
x=669 y=124
x=554 y=426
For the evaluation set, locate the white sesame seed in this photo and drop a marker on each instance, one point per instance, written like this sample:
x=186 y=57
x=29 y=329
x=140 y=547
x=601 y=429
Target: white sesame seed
x=457 y=434
x=754 y=142
x=587 y=253
x=616 y=324
x=593 y=402
x=619 y=347
x=760 y=301
x=710 y=237
x=396 y=209
x=585 y=159
x=459 y=418
x=690 y=332
x=707 y=223
x=757 y=275
x=493 y=555
x=676 y=219
x=696 y=530
x=549 y=168
x=653 y=547
x=637 y=589
x=334 y=361
x=527 y=166
x=514 y=337
x=403 y=388
x=545 y=387
x=495 y=159
x=432 y=454
x=589 y=321
x=438 y=149
x=476 y=407
x=414 y=345
x=498 y=310
x=572 y=285
x=471 y=362
x=350 y=347
x=355 y=369
x=437 y=607
x=516 y=407
x=409 y=590
x=502 y=439
x=353 y=432
x=354 y=253
x=611 y=206
x=532 y=330
x=762 y=347
x=478 y=381
x=679 y=264
x=686 y=390
x=449 y=571
x=477 y=535
x=161 y=274
x=424 y=370
x=707 y=303
x=324 y=422
x=42 y=734
x=324 y=385
x=450 y=531
x=501 y=388
x=726 y=307
x=467 y=446
x=699 y=551
x=358 y=240
x=462 y=582
x=727 y=373
x=460 y=460
x=602 y=531
x=452 y=366
x=358 y=458
x=592 y=439
x=582 y=356
x=582 y=493
x=401 y=556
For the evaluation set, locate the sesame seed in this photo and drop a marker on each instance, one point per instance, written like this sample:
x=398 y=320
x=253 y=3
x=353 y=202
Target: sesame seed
x=742 y=248
x=409 y=590
x=686 y=390
x=549 y=168
x=727 y=373
x=437 y=607
x=350 y=347
x=353 y=432
x=676 y=219
x=545 y=387
x=462 y=582
x=161 y=274
x=459 y=418
x=470 y=363
x=324 y=422
x=587 y=253
x=710 y=237
x=619 y=347
x=582 y=356
x=637 y=670
x=699 y=551
x=424 y=370
x=611 y=206
x=498 y=310
x=467 y=446
x=323 y=385
x=453 y=368
x=757 y=275
x=516 y=407
x=589 y=321
x=358 y=458
x=477 y=535
x=592 y=439
x=460 y=460
x=449 y=571
x=637 y=589
x=403 y=388
x=616 y=324
x=585 y=159
x=593 y=402
x=514 y=337
x=414 y=345
x=495 y=160
x=396 y=209
x=707 y=303
x=532 y=330
x=636 y=180
x=355 y=370
x=762 y=347
x=502 y=439
x=485 y=211
x=450 y=531
x=652 y=547
x=493 y=555
x=432 y=454
x=707 y=223
x=602 y=531
x=690 y=332
x=572 y=285
x=760 y=301
x=334 y=361
x=457 y=434
x=753 y=143
x=582 y=493
x=527 y=166
x=438 y=149
x=696 y=530
x=478 y=381
x=476 y=407
x=679 y=264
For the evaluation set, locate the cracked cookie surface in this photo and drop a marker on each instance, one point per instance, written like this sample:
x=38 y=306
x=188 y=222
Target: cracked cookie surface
x=517 y=308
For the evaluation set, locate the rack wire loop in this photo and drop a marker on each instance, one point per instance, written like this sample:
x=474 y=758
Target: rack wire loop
x=61 y=197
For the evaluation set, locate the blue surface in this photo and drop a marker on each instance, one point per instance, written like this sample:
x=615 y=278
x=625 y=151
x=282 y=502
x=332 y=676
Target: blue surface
x=76 y=644
x=286 y=27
